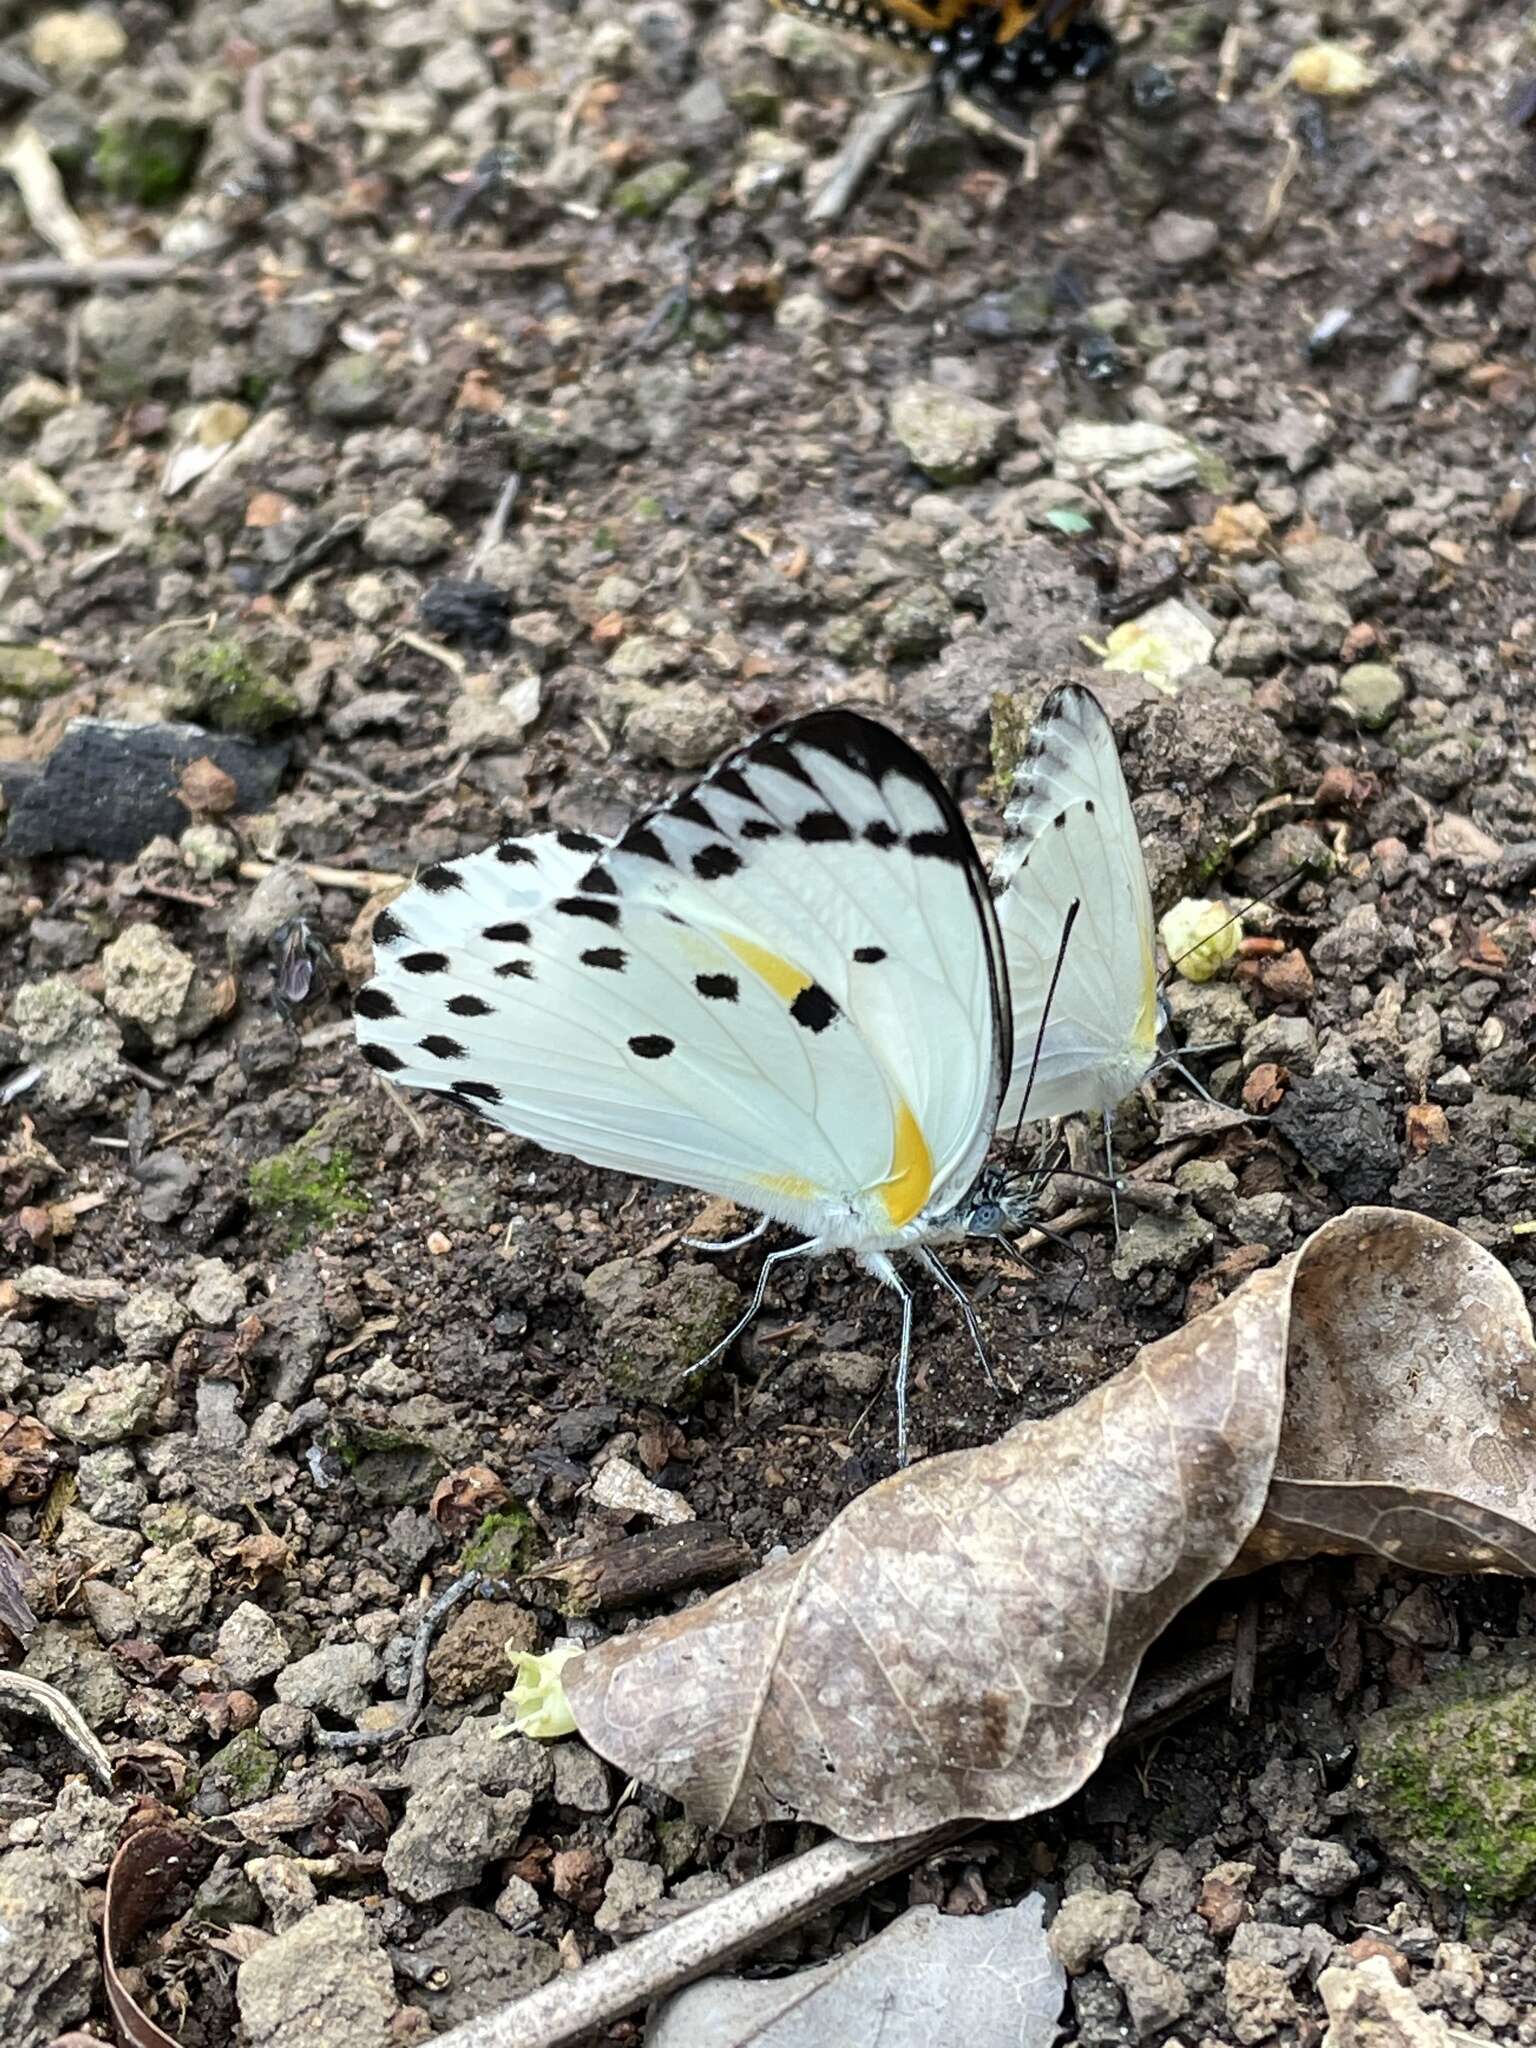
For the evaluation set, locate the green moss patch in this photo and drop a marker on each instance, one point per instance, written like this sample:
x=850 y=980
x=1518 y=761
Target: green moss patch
x=310 y=1187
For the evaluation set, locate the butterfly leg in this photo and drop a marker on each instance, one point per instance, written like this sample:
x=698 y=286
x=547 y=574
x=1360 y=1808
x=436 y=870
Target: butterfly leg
x=1109 y=1168
x=962 y=1301
x=789 y=1251
x=728 y=1244
x=883 y=1270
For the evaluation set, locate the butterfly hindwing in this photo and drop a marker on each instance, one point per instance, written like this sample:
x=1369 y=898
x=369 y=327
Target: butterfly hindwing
x=783 y=986
x=1070 y=839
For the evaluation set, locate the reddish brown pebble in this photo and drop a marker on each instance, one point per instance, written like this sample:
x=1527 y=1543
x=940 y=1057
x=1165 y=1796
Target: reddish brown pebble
x=1365 y=1946
x=578 y=1876
x=1425 y=1125
x=1263 y=1088
x=1288 y=979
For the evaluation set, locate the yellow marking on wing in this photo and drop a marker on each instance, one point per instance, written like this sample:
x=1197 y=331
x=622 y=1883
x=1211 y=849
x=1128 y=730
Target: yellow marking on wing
x=1145 y=1036
x=911 y=1177
x=791 y=1186
x=782 y=976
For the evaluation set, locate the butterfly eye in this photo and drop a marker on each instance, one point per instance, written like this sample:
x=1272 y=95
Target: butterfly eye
x=986 y=1219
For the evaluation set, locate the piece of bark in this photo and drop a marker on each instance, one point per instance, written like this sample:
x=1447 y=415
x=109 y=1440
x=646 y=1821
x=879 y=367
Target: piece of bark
x=641 y=1567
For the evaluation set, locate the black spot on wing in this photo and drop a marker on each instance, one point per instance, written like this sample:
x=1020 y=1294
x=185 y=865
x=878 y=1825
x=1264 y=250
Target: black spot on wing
x=439 y=879
x=720 y=988
x=759 y=828
x=731 y=782
x=1088 y=805
x=869 y=956
x=611 y=957
x=822 y=828
x=598 y=882
x=579 y=842
x=422 y=963
x=1059 y=820
x=469 y=1006
x=640 y=839
x=515 y=970
x=650 y=1045
x=477 y=1091
x=692 y=812
x=387 y=928
x=598 y=908
x=516 y=853
x=714 y=863
x=381 y=1057
x=940 y=845
x=813 y=1008
x=511 y=934
x=441 y=1048
x=373 y=1002
x=778 y=754
x=878 y=833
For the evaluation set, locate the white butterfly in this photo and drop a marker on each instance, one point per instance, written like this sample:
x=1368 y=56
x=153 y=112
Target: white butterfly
x=785 y=986
x=1075 y=908
x=788 y=986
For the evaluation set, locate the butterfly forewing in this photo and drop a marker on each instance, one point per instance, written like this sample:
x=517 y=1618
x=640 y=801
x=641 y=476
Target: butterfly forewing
x=781 y=987
x=1072 y=838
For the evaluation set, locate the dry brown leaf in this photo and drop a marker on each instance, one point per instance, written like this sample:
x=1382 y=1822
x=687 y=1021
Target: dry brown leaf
x=1410 y=1407
x=961 y=1640
x=148 y=1867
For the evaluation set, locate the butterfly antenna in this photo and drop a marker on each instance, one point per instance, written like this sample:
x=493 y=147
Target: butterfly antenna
x=1045 y=1015
x=1267 y=896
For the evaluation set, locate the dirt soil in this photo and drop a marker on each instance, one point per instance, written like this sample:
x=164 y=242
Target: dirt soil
x=550 y=478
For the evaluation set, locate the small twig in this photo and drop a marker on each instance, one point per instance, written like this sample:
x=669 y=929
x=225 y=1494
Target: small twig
x=100 y=276
x=23 y=542
x=495 y=529
x=1245 y=1658
x=868 y=139
x=343 y=771
x=1157 y=1168
x=361 y=881
x=1274 y=203
x=722 y=1931
x=22 y=1695
x=273 y=149
x=415 y=1692
x=411 y=1116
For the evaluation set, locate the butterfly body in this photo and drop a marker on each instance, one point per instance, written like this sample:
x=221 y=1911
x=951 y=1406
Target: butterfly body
x=1010 y=56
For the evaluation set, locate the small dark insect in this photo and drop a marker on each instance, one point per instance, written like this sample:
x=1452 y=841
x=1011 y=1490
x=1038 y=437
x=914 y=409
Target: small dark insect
x=301 y=966
x=491 y=178
x=467 y=610
x=1004 y=59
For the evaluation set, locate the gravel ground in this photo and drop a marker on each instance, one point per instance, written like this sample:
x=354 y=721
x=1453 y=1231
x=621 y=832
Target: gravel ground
x=441 y=500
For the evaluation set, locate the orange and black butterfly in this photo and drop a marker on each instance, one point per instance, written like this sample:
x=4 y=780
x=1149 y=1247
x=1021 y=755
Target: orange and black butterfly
x=1005 y=57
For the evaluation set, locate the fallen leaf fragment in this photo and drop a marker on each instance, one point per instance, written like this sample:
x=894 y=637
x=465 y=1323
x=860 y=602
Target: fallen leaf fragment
x=1410 y=1408
x=538 y=1700
x=982 y=1978
x=961 y=1640
x=146 y=1871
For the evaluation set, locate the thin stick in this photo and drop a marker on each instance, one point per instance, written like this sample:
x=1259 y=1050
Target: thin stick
x=722 y=1931
x=868 y=139
x=361 y=881
x=431 y=1622
x=273 y=149
x=89 y=277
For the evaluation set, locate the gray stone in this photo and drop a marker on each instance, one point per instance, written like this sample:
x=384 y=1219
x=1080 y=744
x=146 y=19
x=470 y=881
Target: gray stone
x=284 y=894
x=105 y=1405
x=1087 y=1924
x=1155 y=1244
x=110 y=1610
x=1289 y=1042
x=1258 y=1999
x=68 y=1034
x=149 y=1322
x=103 y=1547
x=1154 y=1995
x=1170 y=1886
x=141 y=341
x=217 y=1294
x=581 y=1778
x=1319 y=1866
x=338 y=1679
x=252 y=1648
x=172 y=1590
x=82 y=1830
x=631 y=1887
x=154 y=989
x=469 y=1965
x=1329 y=567
x=951 y=437
x=326 y=1983
x=354 y=390
x=1354 y=946
x=1183 y=241
x=518 y=1906
x=452 y=1829
x=1371 y=694
x=407 y=532
x=686 y=726
x=47 y=1950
